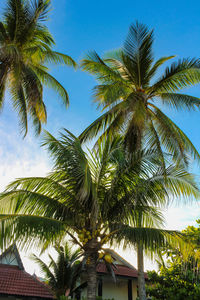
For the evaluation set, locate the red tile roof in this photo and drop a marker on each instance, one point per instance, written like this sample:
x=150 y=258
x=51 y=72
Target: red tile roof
x=120 y=270
x=14 y=281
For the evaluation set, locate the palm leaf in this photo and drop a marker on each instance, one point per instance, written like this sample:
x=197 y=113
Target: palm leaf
x=180 y=74
x=51 y=82
x=138 y=47
x=180 y=101
x=151 y=238
x=29 y=230
x=172 y=137
x=44 y=268
x=157 y=64
x=59 y=58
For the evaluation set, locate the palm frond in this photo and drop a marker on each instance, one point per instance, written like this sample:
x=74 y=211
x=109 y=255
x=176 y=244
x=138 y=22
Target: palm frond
x=138 y=47
x=43 y=267
x=15 y=17
x=180 y=101
x=27 y=202
x=172 y=137
x=69 y=156
x=58 y=58
x=111 y=117
x=19 y=103
x=51 y=82
x=151 y=238
x=93 y=64
x=3 y=78
x=39 y=10
x=179 y=75
x=178 y=182
x=29 y=230
x=157 y=64
x=107 y=95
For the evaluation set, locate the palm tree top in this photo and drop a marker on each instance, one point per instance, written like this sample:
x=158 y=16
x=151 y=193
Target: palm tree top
x=26 y=51
x=81 y=192
x=129 y=89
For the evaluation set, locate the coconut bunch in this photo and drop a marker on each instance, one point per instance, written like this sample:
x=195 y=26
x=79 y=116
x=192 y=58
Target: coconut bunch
x=86 y=236
x=106 y=256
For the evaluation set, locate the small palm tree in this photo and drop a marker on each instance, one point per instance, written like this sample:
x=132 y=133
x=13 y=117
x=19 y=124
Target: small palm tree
x=90 y=197
x=130 y=93
x=25 y=51
x=61 y=274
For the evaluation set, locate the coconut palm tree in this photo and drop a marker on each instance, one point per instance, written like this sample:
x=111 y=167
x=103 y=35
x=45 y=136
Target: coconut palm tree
x=90 y=197
x=25 y=54
x=131 y=93
x=146 y=197
x=62 y=273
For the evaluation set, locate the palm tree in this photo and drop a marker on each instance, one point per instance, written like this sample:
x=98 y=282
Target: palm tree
x=130 y=93
x=62 y=273
x=25 y=51
x=89 y=196
x=150 y=224
x=152 y=192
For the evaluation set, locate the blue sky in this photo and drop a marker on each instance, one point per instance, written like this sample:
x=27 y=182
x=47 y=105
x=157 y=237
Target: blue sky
x=80 y=26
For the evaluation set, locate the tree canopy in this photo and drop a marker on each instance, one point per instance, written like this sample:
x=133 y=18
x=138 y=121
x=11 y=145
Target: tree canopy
x=130 y=94
x=93 y=197
x=179 y=277
x=26 y=51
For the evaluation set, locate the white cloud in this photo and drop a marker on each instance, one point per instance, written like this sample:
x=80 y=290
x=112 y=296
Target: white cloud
x=20 y=158
x=182 y=216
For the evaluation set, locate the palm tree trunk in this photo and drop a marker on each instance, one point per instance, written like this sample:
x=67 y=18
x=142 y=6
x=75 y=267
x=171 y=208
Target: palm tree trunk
x=141 y=279
x=91 y=278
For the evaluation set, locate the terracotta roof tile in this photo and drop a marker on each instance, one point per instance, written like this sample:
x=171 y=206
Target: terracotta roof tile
x=120 y=270
x=14 y=281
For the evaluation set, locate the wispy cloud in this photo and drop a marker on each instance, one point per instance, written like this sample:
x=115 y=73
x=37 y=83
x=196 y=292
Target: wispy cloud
x=20 y=158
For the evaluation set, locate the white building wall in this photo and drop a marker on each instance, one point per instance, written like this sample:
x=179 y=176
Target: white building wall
x=134 y=288
x=116 y=291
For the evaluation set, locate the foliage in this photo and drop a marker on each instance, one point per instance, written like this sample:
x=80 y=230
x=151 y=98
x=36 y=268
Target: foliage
x=129 y=90
x=91 y=194
x=97 y=298
x=129 y=94
x=180 y=278
x=173 y=284
x=25 y=52
x=92 y=197
x=61 y=274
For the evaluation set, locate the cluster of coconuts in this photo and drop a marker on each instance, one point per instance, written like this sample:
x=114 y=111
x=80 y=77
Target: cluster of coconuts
x=85 y=236
x=103 y=255
x=106 y=256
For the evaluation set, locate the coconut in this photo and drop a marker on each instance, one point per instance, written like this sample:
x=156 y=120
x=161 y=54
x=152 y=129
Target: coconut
x=108 y=258
x=101 y=254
